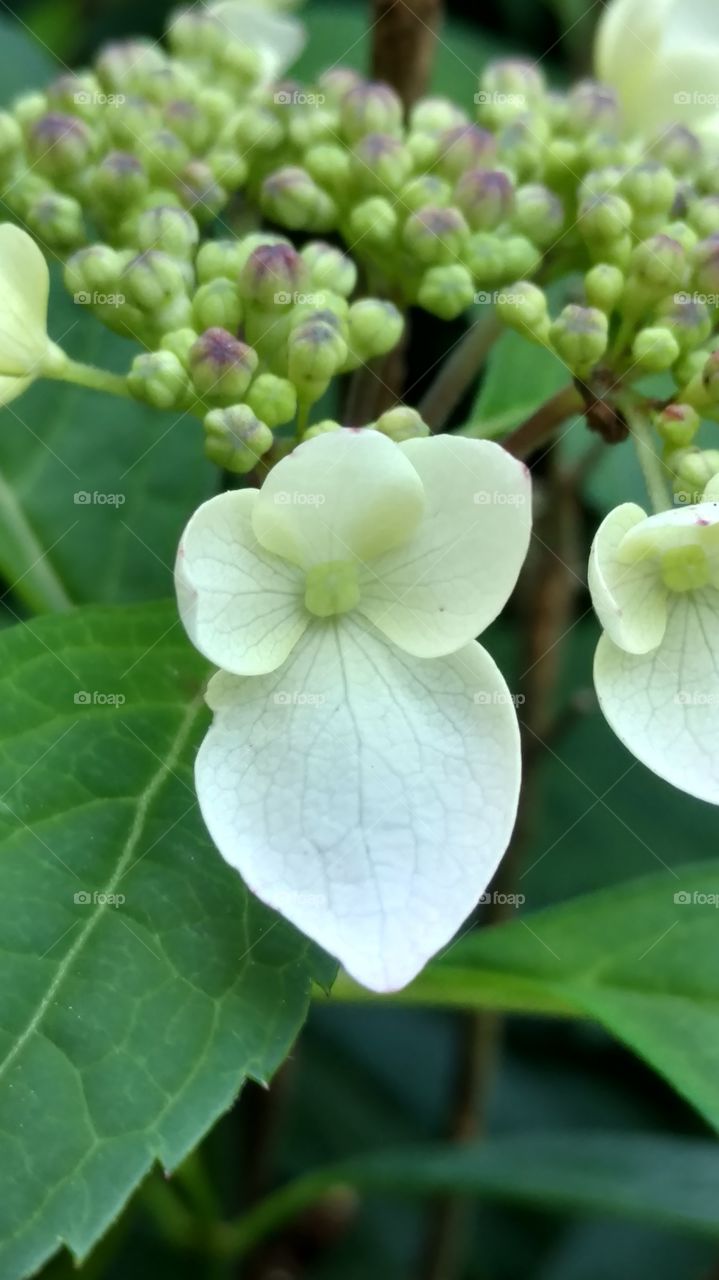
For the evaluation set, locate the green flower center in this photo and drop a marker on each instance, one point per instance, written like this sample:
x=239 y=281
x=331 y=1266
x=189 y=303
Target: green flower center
x=332 y=588
x=685 y=568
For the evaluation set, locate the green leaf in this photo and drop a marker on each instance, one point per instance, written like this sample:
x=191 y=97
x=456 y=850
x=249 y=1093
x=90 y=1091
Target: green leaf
x=641 y=959
x=519 y=377
x=128 y=1025
x=669 y=1181
x=102 y=485
x=25 y=62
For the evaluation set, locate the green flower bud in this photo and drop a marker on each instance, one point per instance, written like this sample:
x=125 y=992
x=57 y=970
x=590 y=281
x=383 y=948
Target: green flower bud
x=521 y=257
x=95 y=269
x=174 y=231
x=217 y=305
x=710 y=377
x=436 y=115
x=158 y=378
x=485 y=197
x=379 y=163
x=677 y=148
x=316 y=352
x=229 y=169
x=370 y=108
x=189 y=123
x=375 y=327
x=235 y=439
x=486 y=258
x=655 y=349
x=690 y=365
x=221 y=367
x=446 y=291
x=310 y=126
x=562 y=160
x=163 y=154
x=153 y=279
x=273 y=276
x=603 y=218
x=402 y=423
x=579 y=336
x=337 y=82
x=464 y=147
x=704 y=215
x=119 y=181
x=706 y=266
x=273 y=399
x=524 y=306
x=436 y=235
x=29 y=108
x=76 y=94
x=122 y=65
x=677 y=425
x=329 y=268
x=194 y=32
x=682 y=233
x=538 y=214
x=240 y=66
x=200 y=192
x=604 y=286
x=693 y=469
x=60 y=145
x=180 y=342
x=374 y=222
x=56 y=220
x=659 y=265
x=291 y=197
x=650 y=189
x=255 y=129
x=219 y=258
x=10 y=137
x=321 y=429
x=129 y=121
x=688 y=318
x=424 y=189
x=592 y=106
x=508 y=88
x=522 y=147
x=330 y=166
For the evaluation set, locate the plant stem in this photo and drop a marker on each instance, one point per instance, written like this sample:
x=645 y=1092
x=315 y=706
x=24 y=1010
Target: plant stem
x=38 y=586
x=448 y=987
x=404 y=40
x=653 y=468
x=459 y=371
x=86 y=375
x=539 y=428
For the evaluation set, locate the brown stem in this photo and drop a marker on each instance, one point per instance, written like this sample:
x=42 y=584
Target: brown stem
x=403 y=45
x=459 y=371
x=539 y=428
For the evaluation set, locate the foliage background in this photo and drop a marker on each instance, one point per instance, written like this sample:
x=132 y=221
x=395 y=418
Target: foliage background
x=365 y=1078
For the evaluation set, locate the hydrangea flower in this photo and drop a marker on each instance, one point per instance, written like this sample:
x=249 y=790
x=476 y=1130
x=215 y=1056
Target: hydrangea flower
x=26 y=352
x=362 y=769
x=661 y=57
x=655 y=587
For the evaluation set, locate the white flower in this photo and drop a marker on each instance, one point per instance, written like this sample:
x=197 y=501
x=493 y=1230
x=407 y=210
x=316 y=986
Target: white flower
x=26 y=352
x=655 y=587
x=661 y=56
x=364 y=781
x=278 y=38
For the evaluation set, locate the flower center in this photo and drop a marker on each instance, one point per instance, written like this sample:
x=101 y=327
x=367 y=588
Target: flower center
x=685 y=568
x=332 y=588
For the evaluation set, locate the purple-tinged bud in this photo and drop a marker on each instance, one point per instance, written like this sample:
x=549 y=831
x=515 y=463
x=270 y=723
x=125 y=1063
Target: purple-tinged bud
x=60 y=145
x=159 y=379
x=370 y=108
x=75 y=94
x=592 y=106
x=446 y=291
x=200 y=192
x=273 y=399
x=173 y=82
x=436 y=235
x=338 y=82
x=163 y=154
x=122 y=65
x=579 y=336
x=522 y=146
x=189 y=123
x=329 y=268
x=380 y=163
x=677 y=148
x=221 y=367
x=316 y=351
x=235 y=439
x=539 y=214
x=660 y=264
x=273 y=276
x=217 y=305
x=119 y=181
x=508 y=88
x=486 y=197
x=706 y=265
x=463 y=147
x=56 y=220
x=292 y=198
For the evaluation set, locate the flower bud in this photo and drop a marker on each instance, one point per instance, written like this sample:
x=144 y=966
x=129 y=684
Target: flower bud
x=650 y=189
x=121 y=65
x=28 y=109
x=217 y=258
x=380 y=163
x=579 y=336
x=229 y=169
x=119 y=181
x=590 y=107
x=311 y=125
x=436 y=235
x=200 y=192
x=158 y=378
x=194 y=32
x=153 y=279
x=689 y=367
x=523 y=306
x=291 y=197
x=508 y=88
x=485 y=197
x=425 y=188
x=221 y=367
x=94 y=269
x=75 y=94
x=710 y=378
x=604 y=286
x=688 y=318
x=655 y=349
x=370 y=108
x=522 y=146
x=190 y=124
x=703 y=215
x=375 y=327
x=436 y=115
x=235 y=439
x=174 y=231
x=273 y=399
x=683 y=234
x=486 y=258
x=659 y=265
x=538 y=214
x=56 y=220
x=337 y=82
x=401 y=423
x=255 y=129
x=217 y=305
x=272 y=276
x=163 y=155
x=329 y=268
x=446 y=291
x=677 y=425
x=706 y=265
x=603 y=218
x=330 y=166
x=180 y=342
x=464 y=147
x=316 y=352
x=10 y=138
x=677 y=148
x=693 y=469
x=521 y=257
x=321 y=428
x=373 y=222
x=60 y=145
x=129 y=121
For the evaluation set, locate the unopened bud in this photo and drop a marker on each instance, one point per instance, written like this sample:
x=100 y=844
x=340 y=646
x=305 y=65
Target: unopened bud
x=704 y=215
x=189 y=123
x=57 y=220
x=374 y=221
x=370 y=108
x=236 y=439
x=604 y=286
x=523 y=306
x=119 y=181
x=424 y=189
x=486 y=258
x=159 y=379
x=436 y=235
x=446 y=291
x=375 y=327
x=163 y=154
x=255 y=129
x=435 y=115
x=329 y=268
x=677 y=148
x=180 y=342
x=677 y=425
x=688 y=318
x=219 y=258
x=693 y=469
x=464 y=147
x=221 y=367
x=508 y=88
x=603 y=218
x=272 y=276
x=538 y=214
x=174 y=231
x=60 y=145
x=94 y=269
x=153 y=279
x=10 y=137
x=217 y=305
x=650 y=189
x=485 y=197
x=706 y=265
x=579 y=336
x=321 y=428
x=273 y=399
x=200 y=191
x=229 y=169
x=330 y=166
x=655 y=349
x=402 y=423
x=592 y=106
x=380 y=163
x=290 y=196
x=521 y=257
x=659 y=265
x=316 y=352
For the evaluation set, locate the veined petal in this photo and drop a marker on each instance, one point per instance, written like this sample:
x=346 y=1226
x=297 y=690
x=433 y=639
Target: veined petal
x=277 y=38
x=24 y=291
x=628 y=595
x=365 y=795
x=442 y=588
x=664 y=705
x=346 y=495
x=240 y=606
